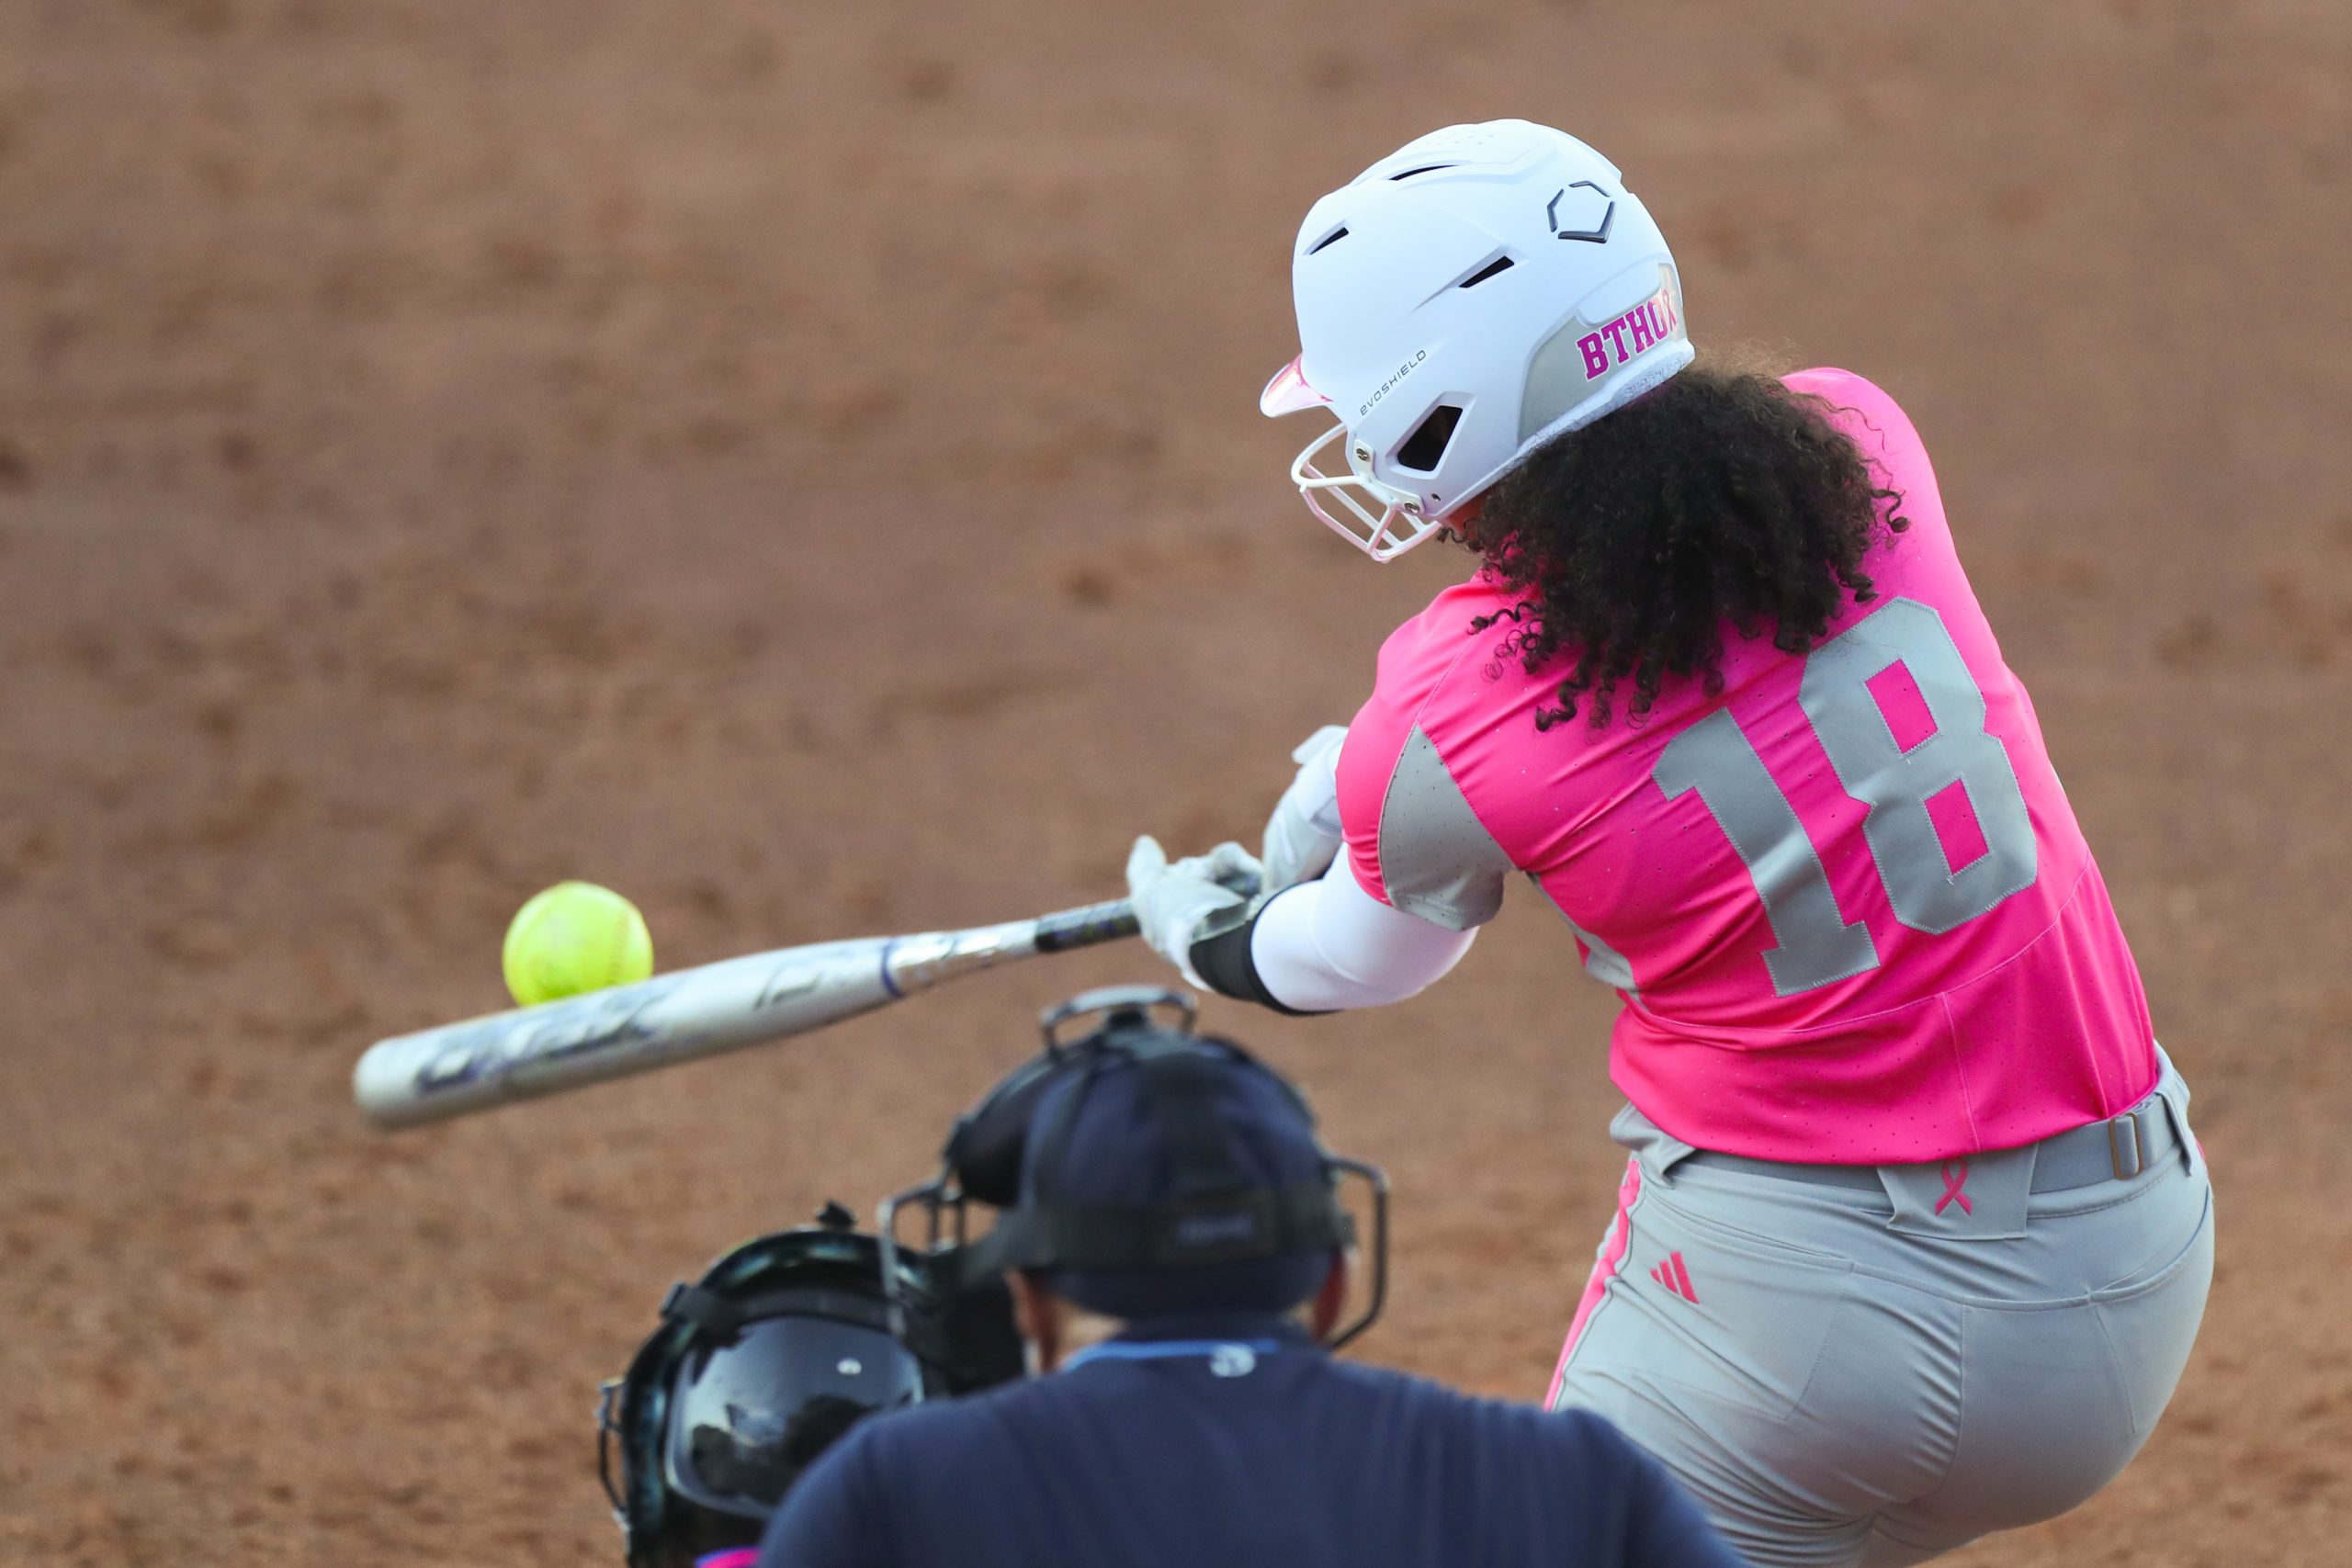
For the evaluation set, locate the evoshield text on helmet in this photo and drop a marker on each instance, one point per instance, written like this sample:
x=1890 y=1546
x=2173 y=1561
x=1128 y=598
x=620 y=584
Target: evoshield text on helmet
x=1468 y=297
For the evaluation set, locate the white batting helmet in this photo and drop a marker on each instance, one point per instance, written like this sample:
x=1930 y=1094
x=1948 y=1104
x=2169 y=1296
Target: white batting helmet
x=1466 y=298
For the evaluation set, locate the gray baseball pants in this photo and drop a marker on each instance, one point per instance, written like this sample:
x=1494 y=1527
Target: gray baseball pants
x=1849 y=1365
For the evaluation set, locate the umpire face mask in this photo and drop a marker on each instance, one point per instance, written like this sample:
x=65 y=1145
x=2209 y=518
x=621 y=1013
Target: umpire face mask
x=1143 y=1172
x=783 y=1345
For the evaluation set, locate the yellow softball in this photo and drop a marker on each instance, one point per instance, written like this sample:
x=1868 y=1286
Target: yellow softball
x=575 y=937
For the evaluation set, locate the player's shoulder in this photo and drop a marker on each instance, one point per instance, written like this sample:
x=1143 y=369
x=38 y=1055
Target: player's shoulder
x=1416 y=689
x=1450 y=619
x=1428 y=649
x=1859 y=406
x=1837 y=385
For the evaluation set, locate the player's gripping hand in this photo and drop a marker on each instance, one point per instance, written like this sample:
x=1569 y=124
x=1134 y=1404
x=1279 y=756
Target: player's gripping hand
x=1179 y=903
x=1303 y=835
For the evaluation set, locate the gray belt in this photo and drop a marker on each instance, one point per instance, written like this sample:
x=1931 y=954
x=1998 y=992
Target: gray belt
x=2115 y=1150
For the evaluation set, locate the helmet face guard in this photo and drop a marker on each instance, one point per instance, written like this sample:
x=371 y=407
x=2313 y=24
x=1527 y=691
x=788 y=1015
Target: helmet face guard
x=1373 y=529
x=1383 y=535
x=1220 y=1224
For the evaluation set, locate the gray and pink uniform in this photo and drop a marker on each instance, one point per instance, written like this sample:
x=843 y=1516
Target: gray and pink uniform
x=1880 y=1023
x=1845 y=901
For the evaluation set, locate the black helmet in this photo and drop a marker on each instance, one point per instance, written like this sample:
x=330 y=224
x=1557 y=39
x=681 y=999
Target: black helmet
x=1142 y=1168
x=783 y=1345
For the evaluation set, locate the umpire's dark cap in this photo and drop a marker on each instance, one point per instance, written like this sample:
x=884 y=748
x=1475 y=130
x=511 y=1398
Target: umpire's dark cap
x=1182 y=1179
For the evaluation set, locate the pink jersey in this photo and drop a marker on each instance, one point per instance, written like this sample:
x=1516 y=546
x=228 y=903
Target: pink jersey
x=1844 y=902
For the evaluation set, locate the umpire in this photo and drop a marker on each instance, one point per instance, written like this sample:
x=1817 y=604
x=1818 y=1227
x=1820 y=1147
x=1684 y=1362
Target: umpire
x=1168 y=1219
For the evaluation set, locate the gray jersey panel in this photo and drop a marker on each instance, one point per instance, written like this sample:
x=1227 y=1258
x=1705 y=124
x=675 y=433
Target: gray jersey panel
x=1437 y=860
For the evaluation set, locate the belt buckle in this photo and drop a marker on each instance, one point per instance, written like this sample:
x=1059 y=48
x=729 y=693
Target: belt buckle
x=2115 y=1147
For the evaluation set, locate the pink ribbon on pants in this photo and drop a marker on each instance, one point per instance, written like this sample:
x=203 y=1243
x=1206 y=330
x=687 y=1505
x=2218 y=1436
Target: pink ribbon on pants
x=1953 y=1185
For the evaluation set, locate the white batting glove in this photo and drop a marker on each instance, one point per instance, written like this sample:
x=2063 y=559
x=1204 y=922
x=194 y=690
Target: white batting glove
x=1175 y=903
x=1303 y=836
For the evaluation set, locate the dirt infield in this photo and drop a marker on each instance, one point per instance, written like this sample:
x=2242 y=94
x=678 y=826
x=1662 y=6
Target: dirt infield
x=800 y=465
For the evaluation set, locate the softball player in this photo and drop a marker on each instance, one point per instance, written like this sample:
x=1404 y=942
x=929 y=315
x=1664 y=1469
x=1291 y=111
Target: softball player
x=1914 y=1237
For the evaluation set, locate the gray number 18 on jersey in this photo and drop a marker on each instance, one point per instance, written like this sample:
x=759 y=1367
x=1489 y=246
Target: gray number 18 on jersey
x=1814 y=943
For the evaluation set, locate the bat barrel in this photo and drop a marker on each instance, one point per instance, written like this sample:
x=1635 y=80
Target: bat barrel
x=461 y=1068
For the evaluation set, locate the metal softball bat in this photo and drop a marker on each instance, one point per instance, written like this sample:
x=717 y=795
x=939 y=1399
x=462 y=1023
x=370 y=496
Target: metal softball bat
x=483 y=1063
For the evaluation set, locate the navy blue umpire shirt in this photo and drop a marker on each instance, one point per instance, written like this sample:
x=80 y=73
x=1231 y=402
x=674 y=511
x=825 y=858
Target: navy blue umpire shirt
x=1233 y=1441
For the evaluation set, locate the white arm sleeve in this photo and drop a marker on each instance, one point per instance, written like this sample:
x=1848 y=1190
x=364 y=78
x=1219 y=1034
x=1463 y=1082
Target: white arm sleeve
x=1327 y=944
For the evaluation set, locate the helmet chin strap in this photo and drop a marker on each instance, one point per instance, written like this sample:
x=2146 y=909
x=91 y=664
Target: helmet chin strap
x=1397 y=524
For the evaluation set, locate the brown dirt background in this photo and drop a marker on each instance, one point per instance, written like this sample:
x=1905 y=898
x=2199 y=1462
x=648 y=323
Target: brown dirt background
x=798 y=464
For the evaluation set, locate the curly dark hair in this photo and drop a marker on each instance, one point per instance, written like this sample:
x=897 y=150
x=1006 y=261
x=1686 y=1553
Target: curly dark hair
x=1721 y=496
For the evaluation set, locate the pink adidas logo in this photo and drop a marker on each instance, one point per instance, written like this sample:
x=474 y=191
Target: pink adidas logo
x=1676 y=1277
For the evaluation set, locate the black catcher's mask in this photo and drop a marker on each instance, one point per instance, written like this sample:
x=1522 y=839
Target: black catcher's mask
x=784 y=1345
x=1211 y=1215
